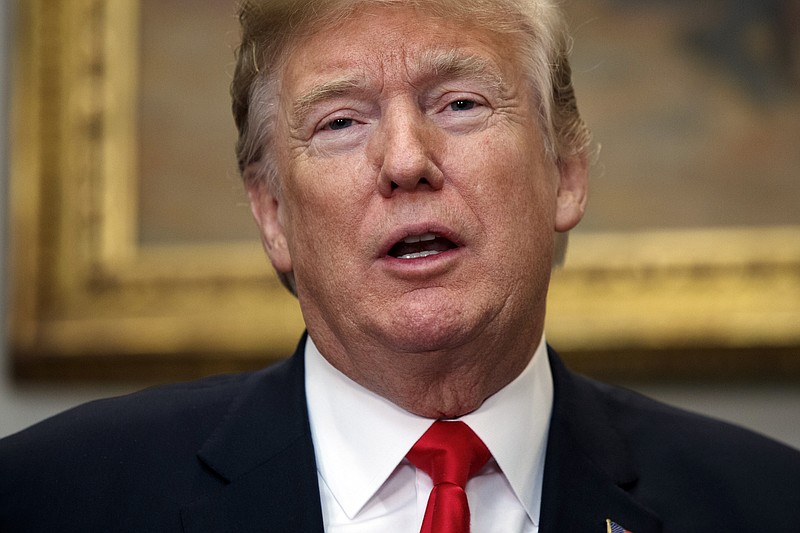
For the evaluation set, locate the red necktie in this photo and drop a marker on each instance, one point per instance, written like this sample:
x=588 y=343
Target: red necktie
x=450 y=453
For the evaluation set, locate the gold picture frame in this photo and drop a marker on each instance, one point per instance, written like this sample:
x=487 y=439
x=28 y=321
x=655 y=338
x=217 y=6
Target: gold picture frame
x=89 y=301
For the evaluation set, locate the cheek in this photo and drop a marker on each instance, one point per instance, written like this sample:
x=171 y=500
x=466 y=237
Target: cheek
x=511 y=188
x=326 y=203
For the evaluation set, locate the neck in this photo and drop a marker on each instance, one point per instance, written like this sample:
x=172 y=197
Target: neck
x=446 y=383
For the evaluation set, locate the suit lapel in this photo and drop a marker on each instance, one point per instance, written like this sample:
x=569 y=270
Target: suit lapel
x=588 y=471
x=264 y=457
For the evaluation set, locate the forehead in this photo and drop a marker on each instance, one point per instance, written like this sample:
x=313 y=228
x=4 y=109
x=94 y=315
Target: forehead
x=402 y=40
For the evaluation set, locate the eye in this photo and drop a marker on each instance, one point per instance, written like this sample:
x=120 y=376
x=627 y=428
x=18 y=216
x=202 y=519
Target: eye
x=339 y=124
x=462 y=105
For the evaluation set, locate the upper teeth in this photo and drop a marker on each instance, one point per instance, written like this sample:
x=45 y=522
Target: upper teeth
x=411 y=239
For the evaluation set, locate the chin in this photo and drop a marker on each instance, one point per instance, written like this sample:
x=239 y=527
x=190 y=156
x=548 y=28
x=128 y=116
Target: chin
x=416 y=330
x=424 y=342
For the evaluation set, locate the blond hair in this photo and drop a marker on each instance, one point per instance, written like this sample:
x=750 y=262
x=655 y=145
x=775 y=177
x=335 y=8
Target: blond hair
x=271 y=27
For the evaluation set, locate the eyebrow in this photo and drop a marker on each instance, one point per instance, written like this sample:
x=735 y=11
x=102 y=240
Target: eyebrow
x=319 y=93
x=452 y=65
x=438 y=65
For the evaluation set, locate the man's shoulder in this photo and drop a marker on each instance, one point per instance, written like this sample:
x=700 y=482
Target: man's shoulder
x=140 y=447
x=141 y=411
x=653 y=424
x=702 y=465
x=159 y=413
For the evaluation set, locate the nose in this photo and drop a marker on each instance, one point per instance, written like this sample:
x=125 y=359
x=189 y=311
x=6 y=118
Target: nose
x=405 y=152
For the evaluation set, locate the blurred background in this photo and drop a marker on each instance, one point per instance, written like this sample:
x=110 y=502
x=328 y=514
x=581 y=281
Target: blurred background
x=696 y=107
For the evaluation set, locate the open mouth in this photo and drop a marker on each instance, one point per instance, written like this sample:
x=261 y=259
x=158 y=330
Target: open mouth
x=417 y=246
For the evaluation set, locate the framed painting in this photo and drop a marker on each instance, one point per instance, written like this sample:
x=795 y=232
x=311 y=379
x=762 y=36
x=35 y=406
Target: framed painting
x=132 y=252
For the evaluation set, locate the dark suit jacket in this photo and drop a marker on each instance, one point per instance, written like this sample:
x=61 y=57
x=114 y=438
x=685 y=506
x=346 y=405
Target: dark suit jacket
x=234 y=454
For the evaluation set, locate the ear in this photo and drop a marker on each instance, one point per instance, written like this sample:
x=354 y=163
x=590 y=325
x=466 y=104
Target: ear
x=266 y=208
x=572 y=193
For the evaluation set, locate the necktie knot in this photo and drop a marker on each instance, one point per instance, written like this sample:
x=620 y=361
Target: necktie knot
x=450 y=453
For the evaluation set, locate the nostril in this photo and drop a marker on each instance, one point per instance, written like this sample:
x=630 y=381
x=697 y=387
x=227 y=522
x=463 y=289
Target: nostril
x=410 y=184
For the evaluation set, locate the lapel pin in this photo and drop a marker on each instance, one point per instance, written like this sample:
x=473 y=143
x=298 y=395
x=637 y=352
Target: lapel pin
x=613 y=527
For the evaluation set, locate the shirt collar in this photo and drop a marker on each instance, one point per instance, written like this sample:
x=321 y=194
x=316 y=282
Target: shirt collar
x=360 y=437
x=513 y=423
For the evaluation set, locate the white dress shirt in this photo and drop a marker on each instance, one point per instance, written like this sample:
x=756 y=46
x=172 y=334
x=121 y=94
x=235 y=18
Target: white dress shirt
x=361 y=439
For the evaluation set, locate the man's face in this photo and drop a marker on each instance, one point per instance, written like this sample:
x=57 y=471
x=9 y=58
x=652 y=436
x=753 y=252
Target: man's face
x=417 y=207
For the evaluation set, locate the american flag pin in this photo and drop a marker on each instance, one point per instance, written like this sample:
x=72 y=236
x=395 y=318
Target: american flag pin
x=613 y=527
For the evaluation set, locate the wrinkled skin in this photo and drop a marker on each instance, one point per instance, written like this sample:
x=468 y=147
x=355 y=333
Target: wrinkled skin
x=392 y=124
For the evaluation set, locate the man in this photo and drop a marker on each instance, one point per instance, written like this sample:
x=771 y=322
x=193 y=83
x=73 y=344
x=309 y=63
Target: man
x=413 y=167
